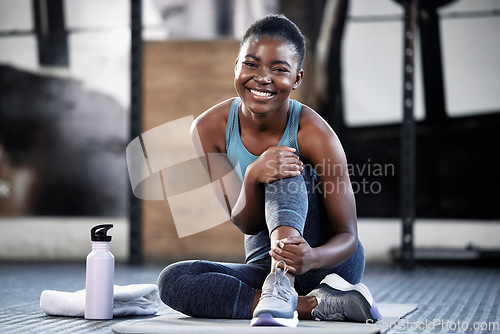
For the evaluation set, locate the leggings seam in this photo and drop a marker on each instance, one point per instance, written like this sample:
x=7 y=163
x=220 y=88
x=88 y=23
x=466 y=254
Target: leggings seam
x=235 y=307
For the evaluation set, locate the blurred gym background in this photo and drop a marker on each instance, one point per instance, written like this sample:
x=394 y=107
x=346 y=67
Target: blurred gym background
x=80 y=79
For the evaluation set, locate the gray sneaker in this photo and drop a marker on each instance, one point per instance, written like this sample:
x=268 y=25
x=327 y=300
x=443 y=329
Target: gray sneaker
x=339 y=300
x=278 y=302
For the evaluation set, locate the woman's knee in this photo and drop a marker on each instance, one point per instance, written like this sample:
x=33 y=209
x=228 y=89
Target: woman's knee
x=171 y=279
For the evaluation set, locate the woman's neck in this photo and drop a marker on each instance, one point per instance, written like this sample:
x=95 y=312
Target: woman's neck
x=271 y=123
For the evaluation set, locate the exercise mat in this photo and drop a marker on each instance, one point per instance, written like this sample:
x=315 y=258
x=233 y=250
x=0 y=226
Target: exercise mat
x=175 y=322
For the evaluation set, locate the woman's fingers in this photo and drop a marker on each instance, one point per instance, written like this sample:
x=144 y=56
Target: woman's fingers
x=278 y=162
x=291 y=164
x=296 y=239
x=290 y=264
x=287 y=253
x=285 y=148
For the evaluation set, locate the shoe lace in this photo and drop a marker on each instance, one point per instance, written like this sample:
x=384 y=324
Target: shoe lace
x=278 y=291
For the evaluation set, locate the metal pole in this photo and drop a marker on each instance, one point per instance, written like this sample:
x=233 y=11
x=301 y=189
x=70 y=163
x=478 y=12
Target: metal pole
x=408 y=135
x=51 y=34
x=432 y=62
x=135 y=204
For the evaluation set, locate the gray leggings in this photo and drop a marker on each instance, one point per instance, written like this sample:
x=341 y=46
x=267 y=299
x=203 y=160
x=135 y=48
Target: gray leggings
x=226 y=290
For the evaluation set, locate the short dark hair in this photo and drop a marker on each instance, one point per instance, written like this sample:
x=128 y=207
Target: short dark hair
x=279 y=26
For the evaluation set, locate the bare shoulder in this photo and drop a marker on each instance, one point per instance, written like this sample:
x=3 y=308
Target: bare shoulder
x=214 y=115
x=316 y=137
x=313 y=128
x=210 y=126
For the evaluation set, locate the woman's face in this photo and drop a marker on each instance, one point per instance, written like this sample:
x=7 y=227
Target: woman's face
x=265 y=74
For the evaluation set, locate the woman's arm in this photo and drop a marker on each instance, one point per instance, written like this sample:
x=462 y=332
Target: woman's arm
x=208 y=137
x=243 y=201
x=275 y=163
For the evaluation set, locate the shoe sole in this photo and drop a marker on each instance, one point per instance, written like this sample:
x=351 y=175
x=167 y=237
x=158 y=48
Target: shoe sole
x=266 y=319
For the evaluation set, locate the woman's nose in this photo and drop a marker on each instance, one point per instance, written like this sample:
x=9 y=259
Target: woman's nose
x=263 y=76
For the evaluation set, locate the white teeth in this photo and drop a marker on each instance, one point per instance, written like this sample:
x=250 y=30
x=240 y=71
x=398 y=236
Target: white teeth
x=263 y=94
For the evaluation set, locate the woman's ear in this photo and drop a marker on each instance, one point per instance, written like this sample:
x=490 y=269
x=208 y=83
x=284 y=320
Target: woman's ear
x=236 y=64
x=298 y=79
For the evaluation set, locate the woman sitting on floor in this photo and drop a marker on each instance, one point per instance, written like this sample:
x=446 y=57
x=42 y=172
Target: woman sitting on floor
x=303 y=256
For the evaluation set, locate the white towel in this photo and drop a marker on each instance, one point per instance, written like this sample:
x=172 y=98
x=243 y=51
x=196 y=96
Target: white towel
x=128 y=300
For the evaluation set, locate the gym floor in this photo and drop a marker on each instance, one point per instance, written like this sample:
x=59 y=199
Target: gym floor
x=452 y=298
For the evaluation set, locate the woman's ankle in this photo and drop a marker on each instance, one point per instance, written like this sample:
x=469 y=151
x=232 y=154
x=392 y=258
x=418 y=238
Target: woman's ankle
x=305 y=305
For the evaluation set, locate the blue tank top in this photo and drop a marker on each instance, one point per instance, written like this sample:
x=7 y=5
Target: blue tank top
x=236 y=151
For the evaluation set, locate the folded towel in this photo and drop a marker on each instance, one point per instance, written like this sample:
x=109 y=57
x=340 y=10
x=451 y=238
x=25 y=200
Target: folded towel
x=135 y=299
x=128 y=300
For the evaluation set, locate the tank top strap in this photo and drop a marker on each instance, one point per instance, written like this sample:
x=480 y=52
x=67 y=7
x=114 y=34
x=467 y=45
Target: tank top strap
x=231 y=121
x=294 y=125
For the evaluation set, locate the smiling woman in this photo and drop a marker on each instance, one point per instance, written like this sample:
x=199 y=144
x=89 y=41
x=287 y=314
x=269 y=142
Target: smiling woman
x=303 y=256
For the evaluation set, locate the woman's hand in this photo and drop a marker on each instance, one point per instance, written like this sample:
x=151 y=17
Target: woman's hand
x=297 y=254
x=276 y=163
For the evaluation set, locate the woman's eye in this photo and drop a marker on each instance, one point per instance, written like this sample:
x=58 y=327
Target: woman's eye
x=281 y=69
x=248 y=63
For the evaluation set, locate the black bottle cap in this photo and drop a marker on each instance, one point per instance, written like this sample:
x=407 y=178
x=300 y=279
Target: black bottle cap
x=99 y=233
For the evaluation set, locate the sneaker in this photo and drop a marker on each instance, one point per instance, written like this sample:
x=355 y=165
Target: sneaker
x=278 y=302
x=339 y=300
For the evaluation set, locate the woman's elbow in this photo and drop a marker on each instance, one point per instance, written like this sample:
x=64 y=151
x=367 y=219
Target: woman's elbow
x=245 y=228
x=249 y=231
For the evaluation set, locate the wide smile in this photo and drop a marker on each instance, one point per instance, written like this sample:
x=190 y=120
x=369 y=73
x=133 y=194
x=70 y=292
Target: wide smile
x=261 y=95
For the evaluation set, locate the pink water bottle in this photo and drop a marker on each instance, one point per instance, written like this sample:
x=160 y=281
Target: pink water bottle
x=100 y=275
